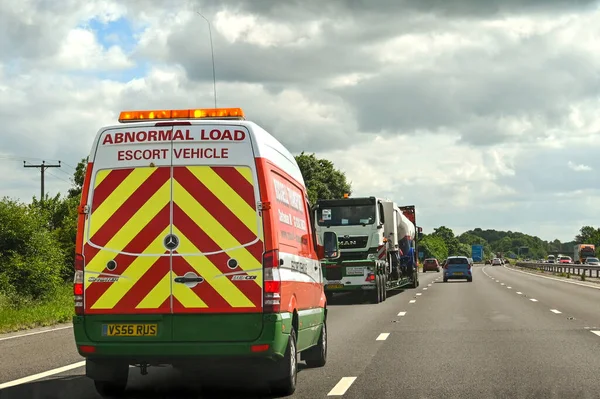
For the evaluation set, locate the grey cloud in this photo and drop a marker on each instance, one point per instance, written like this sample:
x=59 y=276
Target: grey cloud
x=278 y=9
x=546 y=172
x=472 y=93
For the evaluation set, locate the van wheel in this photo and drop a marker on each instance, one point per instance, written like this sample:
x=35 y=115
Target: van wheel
x=289 y=366
x=111 y=389
x=317 y=355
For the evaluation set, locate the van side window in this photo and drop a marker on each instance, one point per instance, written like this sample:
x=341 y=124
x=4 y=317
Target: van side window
x=290 y=215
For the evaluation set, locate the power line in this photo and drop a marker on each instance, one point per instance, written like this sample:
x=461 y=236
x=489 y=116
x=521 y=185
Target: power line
x=58 y=177
x=43 y=166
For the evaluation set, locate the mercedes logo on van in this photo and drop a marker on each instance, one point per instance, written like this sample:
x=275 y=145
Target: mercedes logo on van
x=171 y=242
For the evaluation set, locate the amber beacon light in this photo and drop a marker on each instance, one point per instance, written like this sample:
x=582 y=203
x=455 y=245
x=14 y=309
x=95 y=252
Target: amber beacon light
x=200 y=113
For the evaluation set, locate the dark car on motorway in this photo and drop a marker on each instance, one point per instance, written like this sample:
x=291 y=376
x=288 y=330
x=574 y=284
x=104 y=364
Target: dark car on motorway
x=458 y=267
x=431 y=264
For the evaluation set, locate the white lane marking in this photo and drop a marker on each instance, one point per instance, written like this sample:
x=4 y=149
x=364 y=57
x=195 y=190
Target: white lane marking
x=509 y=287
x=533 y=300
x=402 y=314
x=38 y=376
x=552 y=278
x=424 y=288
x=501 y=283
x=429 y=285
x=382 y=337
x=520 y=293
x=412 y=301
x=593 y=331
x=34 y=333
x=419 y=294
x=555 y=311
x=342 y=386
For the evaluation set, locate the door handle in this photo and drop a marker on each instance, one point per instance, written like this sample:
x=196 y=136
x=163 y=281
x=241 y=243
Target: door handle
x=184 y=280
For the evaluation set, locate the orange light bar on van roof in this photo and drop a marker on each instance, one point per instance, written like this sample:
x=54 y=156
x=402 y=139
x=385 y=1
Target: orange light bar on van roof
x=133 y=116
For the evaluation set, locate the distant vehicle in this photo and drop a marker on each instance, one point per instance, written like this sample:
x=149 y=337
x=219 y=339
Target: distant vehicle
x=551 y=259
x=457 y=267
x=431 y=264
x=592 y=261
x=496 y=262
x=565 y=259
x=583 y=251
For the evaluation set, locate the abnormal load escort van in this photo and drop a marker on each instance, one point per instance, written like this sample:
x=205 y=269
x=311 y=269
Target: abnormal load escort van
x=195 y=247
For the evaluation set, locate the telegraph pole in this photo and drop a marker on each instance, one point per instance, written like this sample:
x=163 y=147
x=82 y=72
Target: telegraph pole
x=43 y=166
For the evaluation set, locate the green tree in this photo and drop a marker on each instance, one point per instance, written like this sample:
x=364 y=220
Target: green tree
x=322 y=179
x=433 y=247
x=78 y=178
x=31 y=259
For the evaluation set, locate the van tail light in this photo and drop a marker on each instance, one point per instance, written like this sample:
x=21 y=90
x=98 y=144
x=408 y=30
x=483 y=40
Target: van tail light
x=78 y=284
x=272 y=282
x=370 y=278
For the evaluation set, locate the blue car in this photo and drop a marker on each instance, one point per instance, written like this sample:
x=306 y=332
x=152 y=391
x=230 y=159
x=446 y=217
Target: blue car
x=457 y=267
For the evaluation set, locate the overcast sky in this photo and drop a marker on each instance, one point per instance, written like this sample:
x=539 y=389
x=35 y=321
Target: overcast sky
x=482 y=113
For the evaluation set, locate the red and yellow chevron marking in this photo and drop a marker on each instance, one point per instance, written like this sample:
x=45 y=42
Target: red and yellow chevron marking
x=213 y=211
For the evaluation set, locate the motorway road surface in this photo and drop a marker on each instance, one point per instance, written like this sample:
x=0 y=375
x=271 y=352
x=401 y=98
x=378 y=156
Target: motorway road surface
x=507 y=334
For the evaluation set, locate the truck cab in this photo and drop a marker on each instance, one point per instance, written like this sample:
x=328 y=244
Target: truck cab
x=358 y=223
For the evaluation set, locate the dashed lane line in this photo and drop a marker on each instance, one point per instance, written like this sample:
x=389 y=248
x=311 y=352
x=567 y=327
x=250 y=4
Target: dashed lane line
x=382 y=337
x=44 y=374
x=342 y=386
x=412 y=301
x=533 y=300
x=595 y=332
x=424 y=288
x=509 y=287
x=402 y=314
x=418 y=293
x=519 y=292
x=555 y=311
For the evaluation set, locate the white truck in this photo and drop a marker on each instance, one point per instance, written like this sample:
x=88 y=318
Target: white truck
x=377 y=242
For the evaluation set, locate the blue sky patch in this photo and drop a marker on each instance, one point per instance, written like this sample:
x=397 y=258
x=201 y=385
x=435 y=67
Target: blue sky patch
x=118 y=32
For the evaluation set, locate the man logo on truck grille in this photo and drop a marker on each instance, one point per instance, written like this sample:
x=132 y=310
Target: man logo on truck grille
x=171 y=242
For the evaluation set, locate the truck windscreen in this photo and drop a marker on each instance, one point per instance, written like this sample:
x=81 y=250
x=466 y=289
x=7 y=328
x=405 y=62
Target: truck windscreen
x=348 y=215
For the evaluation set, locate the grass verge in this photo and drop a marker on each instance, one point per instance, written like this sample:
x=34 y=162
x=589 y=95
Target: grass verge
x=57 y=309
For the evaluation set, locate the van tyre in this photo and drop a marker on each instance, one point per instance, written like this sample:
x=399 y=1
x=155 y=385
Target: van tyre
x=288 y=366
x=317 y=355
x=111 y=389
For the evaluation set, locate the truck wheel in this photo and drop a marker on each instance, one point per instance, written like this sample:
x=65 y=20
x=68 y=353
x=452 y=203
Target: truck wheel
x=317 y=355
x=289 y=365
x=376 y=295
x=383 y=288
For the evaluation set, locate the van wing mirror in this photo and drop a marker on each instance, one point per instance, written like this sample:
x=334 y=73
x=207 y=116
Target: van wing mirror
x=330 y=245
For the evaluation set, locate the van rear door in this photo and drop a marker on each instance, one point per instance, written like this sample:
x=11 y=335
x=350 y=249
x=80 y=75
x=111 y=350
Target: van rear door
x=218 y=238
x=128 y=220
